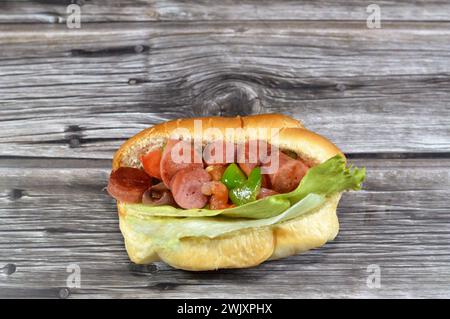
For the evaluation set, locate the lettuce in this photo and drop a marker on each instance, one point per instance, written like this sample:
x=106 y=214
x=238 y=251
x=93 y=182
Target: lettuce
x=166 y=225
x=264 y=208
x=325 y=179
x=166 y=231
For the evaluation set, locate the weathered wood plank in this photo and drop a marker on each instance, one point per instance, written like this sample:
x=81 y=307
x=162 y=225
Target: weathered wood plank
x=51 y=218
x=80 y=94
x=49 y=11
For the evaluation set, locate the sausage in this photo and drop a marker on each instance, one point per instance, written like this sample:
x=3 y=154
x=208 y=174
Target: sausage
x=219 y=152
x=247 y=167
x=264 y=192
x=160 y=187
x=288 y=175
x=154 y=198
x=186 y=187
x=169 y=167
x=243 y=158
x=252 y=154
x=128 y=184
x=265 y=181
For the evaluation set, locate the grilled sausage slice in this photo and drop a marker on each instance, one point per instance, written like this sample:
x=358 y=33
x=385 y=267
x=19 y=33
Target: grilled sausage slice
x=128 y=184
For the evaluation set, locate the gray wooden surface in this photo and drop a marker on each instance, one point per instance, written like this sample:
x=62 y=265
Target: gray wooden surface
x=69 y=98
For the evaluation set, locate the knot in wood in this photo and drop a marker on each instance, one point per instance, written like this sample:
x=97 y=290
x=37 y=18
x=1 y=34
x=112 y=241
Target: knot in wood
x=74 y=135
x=143 y=269
x=227 y=99
x=9 y=269
x=15 y=194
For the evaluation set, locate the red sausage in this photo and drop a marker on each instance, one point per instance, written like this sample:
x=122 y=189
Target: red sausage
x=251 y=154
x=247 y=167
x=219 y=152
x=169 y=167
x=288 y=175
x=186 y=187
x=164 y=198
x=254 y=156
x=265 y=181
x=127 y=184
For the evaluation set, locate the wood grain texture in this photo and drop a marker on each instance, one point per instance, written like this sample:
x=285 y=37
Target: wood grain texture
x=70 y=97
x=53 y=217
x=54 y=11
x=76 y=94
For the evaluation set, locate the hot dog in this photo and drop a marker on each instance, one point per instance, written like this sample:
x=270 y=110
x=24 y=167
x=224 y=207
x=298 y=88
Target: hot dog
x=210 y=172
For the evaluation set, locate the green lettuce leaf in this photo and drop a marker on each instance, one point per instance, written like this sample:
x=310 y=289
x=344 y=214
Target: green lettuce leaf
x=268 y=207
x=166 y=231
x=325 y=179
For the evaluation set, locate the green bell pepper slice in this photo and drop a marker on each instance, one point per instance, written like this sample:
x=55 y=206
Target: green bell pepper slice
x=233 y=176
x=248 y=191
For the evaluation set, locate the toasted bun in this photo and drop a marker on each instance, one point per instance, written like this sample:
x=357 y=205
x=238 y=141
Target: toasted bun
x=245 y=248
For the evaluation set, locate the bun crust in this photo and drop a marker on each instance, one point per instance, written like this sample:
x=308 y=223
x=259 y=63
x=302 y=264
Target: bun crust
x=245 y=248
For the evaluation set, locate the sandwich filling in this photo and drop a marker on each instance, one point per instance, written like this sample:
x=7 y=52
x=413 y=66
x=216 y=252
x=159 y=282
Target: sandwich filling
x=179 y=190
x=221 y=182
x=219 y=175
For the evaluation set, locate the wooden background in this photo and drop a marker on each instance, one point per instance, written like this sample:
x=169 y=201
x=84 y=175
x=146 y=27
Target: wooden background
x=70 y=97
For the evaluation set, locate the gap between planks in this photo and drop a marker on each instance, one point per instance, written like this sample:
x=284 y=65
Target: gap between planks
x=61 y=162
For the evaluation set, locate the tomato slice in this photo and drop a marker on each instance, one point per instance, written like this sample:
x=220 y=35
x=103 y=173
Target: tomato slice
x=151 y=161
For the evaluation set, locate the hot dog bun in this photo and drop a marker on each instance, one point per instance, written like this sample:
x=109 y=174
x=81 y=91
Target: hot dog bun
x=244 y=248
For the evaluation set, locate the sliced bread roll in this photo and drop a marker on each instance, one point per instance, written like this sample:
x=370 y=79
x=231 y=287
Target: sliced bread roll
x=245 y=248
